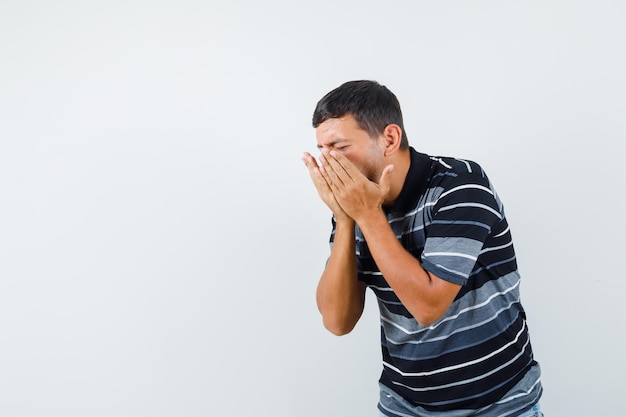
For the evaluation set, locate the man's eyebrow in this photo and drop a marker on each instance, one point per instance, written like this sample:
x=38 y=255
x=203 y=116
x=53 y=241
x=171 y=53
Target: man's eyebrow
x=330 y=144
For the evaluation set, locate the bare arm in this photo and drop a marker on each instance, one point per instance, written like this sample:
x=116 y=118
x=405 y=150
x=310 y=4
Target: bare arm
x=340 y=296
x=426 y=296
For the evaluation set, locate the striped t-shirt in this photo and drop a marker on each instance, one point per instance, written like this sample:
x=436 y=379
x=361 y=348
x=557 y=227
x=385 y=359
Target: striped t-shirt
x=478 y=355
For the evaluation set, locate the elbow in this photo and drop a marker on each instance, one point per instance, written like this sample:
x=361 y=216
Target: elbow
x=424 y=322
x=338 y=327
x=428 y=318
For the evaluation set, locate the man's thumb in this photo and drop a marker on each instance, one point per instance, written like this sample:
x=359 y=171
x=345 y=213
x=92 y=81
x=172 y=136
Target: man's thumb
x=385 y=178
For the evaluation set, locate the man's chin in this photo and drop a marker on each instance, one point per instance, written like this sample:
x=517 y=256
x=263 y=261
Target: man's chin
x=373 y=177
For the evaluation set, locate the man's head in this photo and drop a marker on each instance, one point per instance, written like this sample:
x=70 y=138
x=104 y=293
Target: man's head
x=372 y=105
x=362 y=121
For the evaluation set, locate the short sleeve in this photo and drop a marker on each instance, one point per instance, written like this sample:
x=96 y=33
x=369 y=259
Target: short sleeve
x=463 y=217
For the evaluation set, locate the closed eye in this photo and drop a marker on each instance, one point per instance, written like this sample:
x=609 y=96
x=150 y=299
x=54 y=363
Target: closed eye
x=339 y=145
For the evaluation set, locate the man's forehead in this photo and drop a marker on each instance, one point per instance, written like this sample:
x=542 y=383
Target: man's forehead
x=328 y=137
x=335 y=129
x=333 y=123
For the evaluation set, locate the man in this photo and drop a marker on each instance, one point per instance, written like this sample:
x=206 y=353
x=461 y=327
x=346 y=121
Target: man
x=428 y=235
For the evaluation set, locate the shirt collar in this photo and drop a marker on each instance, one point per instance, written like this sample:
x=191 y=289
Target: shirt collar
x=415 y=184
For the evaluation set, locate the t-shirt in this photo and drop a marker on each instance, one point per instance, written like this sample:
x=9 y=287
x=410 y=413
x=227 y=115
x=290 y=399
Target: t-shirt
x=449 y=217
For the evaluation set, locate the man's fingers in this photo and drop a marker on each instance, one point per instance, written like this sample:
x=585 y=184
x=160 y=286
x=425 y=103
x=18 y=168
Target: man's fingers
x=308 y=160
x=330 y=172
x=315 y=171
x=311 y=164
x=324 y=179
x=344 y=168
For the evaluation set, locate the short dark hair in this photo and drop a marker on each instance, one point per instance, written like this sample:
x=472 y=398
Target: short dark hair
x=372 y=105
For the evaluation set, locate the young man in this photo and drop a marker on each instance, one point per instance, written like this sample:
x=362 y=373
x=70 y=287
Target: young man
x=428 y=235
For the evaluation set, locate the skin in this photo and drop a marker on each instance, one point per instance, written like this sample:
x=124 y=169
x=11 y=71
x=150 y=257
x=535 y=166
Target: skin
x=357 y=175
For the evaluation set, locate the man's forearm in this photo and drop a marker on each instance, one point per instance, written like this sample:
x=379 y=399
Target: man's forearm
x=340 y=296
x=426 y=296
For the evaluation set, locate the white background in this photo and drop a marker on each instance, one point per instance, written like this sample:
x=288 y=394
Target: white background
x=160 y=241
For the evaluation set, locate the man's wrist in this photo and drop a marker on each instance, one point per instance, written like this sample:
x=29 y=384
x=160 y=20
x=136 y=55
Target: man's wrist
x=373 y=218
x=344 y=220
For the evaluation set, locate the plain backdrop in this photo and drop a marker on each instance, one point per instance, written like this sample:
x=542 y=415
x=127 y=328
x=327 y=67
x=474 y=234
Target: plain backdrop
x=160 y=240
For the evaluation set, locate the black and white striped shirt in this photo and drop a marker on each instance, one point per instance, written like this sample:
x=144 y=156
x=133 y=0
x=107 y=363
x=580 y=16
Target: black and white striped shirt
x=477 y=356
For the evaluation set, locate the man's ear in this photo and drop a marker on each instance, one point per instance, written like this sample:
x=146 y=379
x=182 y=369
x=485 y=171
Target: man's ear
x=392 y=134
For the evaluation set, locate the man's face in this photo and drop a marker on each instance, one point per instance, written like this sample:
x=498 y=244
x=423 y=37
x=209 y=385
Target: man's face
x=346 y=137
